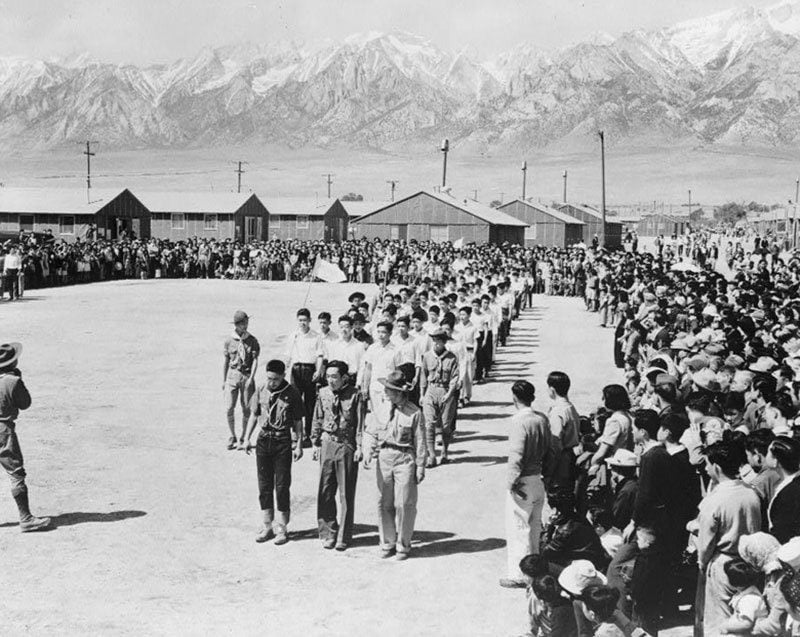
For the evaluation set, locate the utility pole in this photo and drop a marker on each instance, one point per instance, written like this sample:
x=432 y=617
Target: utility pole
x=502 y=197
x=89 y=154
x=564 y=175
x=603 y=185
x=239 y=172
x=329 y=182
x=392 y=184
x=524 y=177
x=445 y=148
x=474 y=194
x=690 y=201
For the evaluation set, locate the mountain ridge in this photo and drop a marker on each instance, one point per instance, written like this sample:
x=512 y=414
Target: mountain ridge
x=729 y=78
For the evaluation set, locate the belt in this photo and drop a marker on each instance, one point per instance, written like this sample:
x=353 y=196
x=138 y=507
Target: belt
x=391 y=445
x=303 y=365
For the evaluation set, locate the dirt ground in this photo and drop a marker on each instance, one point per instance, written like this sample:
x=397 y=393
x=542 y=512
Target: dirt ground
x=125 y=448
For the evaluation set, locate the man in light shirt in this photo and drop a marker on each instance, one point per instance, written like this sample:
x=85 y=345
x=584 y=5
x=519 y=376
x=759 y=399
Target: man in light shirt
x=11 y=268
x=348 y=349
x=466 y=332
x=380 y=359
x=304 y=351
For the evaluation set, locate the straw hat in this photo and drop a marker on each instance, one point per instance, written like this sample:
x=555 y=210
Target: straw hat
x=9 y=355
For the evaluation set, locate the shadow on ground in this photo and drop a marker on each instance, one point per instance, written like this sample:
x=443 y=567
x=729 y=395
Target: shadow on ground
x=84 y=517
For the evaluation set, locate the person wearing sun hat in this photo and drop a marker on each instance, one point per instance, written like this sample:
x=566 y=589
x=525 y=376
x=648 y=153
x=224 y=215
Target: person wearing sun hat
x=14 y=397
x=399 y=447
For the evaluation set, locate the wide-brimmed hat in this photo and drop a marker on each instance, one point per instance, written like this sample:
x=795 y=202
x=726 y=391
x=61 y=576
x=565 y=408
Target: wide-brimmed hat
x=706 y=379
x=9 y=355
x=578 y=576
x=395 y=380
x=439 y=334
x=239 y=316
x=764 y=365
x=356 y=296
x=759 y=550
x=623 y=458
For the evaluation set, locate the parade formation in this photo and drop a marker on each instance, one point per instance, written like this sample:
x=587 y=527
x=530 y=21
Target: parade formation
x=676 y=500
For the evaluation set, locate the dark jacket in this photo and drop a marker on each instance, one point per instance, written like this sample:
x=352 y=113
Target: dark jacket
x=624 y=500
x=571 y=538
x=784 y=512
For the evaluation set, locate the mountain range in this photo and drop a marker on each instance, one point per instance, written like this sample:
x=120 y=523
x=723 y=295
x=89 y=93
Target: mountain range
x=729 y=78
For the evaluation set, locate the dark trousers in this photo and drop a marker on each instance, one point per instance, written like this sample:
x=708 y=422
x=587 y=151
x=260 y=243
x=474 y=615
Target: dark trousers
x=12 y=283
x=484 y=356
x=302 y=379
x=338 y=474
x=505 y=329
x=274 y=468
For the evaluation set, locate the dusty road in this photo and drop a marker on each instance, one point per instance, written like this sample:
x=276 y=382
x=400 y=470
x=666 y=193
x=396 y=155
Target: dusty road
x=125 y=447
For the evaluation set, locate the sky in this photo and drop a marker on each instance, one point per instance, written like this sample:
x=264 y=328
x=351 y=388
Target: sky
x=153 y=31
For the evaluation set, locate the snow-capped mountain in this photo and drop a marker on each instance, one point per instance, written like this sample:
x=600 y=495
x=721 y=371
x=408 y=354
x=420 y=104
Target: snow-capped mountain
x=733 y=77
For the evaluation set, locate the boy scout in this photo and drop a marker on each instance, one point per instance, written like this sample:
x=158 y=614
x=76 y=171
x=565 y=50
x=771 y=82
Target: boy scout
x=13 y=397
x=439 y=387
x=278 y=409
x=336 y=436
x=400 y=450
x=241 y=354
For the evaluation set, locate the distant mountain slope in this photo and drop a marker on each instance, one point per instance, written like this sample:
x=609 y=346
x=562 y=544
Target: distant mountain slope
x=733 y=77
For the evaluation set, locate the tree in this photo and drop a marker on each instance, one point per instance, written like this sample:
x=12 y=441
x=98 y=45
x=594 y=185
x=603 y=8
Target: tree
x=351 y=196
x=730 y=212
x=495 y=203
x=696 y=216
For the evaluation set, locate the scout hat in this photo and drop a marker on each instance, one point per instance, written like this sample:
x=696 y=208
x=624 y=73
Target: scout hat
x=395 y=380
x=356 y=297
x=240 y=316
x=9 y=355
x=578 y=576
x=623 y=458
x=439 y=334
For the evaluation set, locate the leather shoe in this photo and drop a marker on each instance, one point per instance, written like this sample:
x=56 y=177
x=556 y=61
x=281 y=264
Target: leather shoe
x=33 y=524
x=329 y=544
x=341 y=546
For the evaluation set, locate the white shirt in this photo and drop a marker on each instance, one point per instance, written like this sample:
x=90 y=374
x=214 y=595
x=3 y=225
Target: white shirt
x=351 y=352
x=304 y=348
x=407 y=349
x=12 y=262
x=466 y=334
x=382 y=359
x=327 y=340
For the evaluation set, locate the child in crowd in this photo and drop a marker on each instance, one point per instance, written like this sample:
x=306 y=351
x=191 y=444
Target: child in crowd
x=603 y=523
x=598 y=604
x=747 y=604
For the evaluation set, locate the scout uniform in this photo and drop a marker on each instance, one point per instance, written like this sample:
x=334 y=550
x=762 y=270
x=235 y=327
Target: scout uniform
x=276 y=412
x=337 y=430
x=240 y=352
x=14 y=397
x=440 y=373
x=400 y=449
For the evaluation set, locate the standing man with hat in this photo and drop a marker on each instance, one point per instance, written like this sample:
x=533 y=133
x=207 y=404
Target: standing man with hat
x=278 y=409
x=400 y=467
x=438 y=387
x=336 y=436
x=14 y=396
x=241 y=354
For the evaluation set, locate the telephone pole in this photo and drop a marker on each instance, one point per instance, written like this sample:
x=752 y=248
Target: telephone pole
x=239 y=172
x=603 y=185
x=445 y=148
x=89 y=154
x=392 y=184
x=690 y=201
x=564 y=175
x=794 y=225
x=329 y=182
x=524 y=177
x=474 y=194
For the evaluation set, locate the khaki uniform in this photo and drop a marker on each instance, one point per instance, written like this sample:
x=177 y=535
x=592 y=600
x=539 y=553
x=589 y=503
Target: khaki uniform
x=440 y=374
x=400 y=447
x=336 y=431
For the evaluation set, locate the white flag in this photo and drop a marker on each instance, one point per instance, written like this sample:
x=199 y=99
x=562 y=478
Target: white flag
x=326 y=271
x=458 y=244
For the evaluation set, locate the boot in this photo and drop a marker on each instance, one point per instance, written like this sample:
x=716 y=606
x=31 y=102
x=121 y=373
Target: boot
x=27 y=522
x=281 y=534
x=266 y=533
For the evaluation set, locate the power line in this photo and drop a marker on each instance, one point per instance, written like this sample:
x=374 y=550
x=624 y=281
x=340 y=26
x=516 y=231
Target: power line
x=89 y=154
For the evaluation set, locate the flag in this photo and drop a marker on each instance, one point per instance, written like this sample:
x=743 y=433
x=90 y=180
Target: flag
x=459 y=243
x=326 y=271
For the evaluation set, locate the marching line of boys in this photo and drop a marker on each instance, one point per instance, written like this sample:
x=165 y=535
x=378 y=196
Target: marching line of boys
x=382 y=389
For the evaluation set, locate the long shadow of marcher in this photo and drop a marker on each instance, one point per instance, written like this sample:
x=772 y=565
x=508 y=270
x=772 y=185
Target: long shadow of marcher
x=455 y=546
x=485 y=460
x=83 y=517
